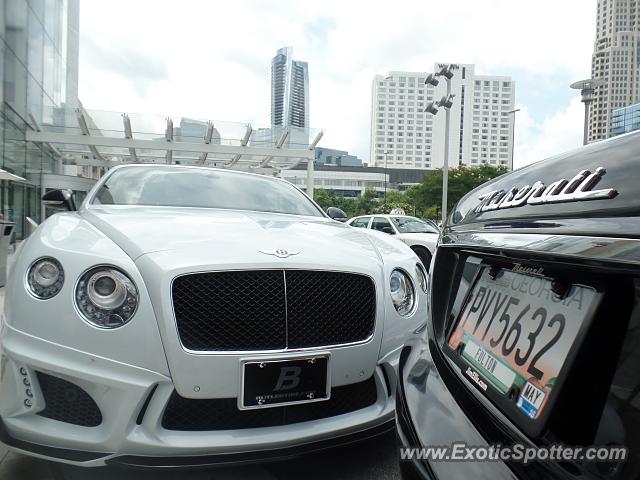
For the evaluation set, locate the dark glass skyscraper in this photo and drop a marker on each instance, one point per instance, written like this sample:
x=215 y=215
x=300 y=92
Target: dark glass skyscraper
x=289 y=90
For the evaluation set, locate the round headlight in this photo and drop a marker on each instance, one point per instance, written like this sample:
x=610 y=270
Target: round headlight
x=402 y=293
x=106 y=297
x=45 y=278
x=422 y=277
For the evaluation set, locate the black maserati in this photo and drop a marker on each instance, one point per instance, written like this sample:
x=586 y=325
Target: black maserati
x=533 y=333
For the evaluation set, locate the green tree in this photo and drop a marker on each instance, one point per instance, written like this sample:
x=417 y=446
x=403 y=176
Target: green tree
x=324 y=198
x=394 y=199
x=427 y=197
x=366 y=202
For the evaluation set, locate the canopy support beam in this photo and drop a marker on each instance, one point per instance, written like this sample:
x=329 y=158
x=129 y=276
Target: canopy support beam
x=82 y=122
x=128 y=134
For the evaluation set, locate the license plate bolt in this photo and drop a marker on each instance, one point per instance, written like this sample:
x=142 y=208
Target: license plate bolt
x=310 y=396
x=493 y=272
x=560 y=287
x=513 y=393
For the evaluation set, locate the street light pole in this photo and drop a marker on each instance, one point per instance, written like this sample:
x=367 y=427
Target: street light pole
x=386 y=152
x=587 y=90
x=446 y=102
x=445 y=166
x=513 y=135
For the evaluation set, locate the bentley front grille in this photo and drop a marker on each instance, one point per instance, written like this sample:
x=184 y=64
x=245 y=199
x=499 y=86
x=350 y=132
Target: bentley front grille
x=272 y=309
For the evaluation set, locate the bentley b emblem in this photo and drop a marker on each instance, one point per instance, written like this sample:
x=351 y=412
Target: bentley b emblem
x=280 y=252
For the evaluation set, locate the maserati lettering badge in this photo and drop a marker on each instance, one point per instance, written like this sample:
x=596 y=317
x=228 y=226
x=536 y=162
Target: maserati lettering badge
x=575 y=190
x=519 y=268
x=280 y=252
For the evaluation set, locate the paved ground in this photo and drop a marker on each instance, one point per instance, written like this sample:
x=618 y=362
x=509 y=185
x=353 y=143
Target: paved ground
x=373 y=459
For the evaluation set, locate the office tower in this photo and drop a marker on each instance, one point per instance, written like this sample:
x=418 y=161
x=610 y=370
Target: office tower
x=289 y=90
x=481 y=130
x=614 y=63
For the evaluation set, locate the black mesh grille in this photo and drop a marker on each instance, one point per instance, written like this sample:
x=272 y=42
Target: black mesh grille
x=328 y=308
x=247 y=310
x=67 y=402
x=223 y=414
x=231 y=310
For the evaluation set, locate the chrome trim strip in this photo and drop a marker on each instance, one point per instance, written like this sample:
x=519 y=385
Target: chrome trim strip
x=609 y=249
x=283 y=350
x=286 y=310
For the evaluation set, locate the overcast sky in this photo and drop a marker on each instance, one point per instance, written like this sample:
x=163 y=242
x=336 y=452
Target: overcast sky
x=211 y=59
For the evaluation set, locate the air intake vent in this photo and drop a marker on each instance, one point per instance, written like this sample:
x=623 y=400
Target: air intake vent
x=67 y=402
x=223 y=414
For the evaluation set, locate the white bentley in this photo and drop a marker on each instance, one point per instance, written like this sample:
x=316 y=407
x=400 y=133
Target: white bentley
x=193 y=316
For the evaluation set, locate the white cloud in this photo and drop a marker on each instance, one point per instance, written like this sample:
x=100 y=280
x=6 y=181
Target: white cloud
x=555 y=134
x=212 y=59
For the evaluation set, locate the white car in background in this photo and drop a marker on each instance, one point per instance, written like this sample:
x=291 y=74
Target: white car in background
x=192 y=316
x=421 y=236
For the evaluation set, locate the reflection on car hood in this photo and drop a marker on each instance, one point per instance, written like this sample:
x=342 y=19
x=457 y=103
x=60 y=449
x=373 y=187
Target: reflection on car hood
x=139 y=230
x=617 y=158
x=421 y=237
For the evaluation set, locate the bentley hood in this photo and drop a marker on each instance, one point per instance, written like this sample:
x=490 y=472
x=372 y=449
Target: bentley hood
x=212 y=236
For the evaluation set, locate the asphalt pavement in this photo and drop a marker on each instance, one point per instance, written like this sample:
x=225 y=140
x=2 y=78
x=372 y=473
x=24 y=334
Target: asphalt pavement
x=376 y=458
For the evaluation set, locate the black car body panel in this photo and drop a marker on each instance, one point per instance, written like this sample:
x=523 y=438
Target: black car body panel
x=619 y=157
x=598 y=402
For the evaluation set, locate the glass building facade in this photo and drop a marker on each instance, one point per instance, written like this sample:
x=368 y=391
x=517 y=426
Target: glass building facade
x=624 y=120
x=40 y=74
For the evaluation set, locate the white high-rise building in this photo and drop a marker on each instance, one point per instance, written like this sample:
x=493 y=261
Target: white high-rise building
x=614 y=63
x=481 y=128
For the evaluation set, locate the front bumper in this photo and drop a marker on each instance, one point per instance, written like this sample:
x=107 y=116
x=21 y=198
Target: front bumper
x=132 y=401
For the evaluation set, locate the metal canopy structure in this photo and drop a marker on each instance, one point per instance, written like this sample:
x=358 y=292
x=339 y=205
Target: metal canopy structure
x=105 y=139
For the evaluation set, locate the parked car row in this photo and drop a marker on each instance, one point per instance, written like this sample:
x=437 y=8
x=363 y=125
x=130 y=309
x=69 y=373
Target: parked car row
x=191 y=316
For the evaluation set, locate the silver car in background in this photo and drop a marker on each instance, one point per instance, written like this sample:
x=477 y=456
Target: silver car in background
x=418 y=234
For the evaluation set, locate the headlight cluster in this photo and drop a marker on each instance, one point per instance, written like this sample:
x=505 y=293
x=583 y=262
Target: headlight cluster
x=106 y=297
x=45 y=278
x=402 y=292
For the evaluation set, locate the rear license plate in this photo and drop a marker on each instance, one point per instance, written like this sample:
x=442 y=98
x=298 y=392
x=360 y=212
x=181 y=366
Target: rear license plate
x=515 y=334
x=272 y=383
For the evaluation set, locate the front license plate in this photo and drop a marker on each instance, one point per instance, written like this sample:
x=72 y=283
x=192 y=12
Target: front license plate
x=516 y=334
x=281 y=382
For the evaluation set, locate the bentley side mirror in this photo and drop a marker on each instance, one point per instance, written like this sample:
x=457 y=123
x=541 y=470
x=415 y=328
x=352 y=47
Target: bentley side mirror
x=60 y=199
x=337 y=214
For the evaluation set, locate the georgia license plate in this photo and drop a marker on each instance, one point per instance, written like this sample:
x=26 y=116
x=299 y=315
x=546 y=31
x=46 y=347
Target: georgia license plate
x=271 y=383
x=516 y=334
